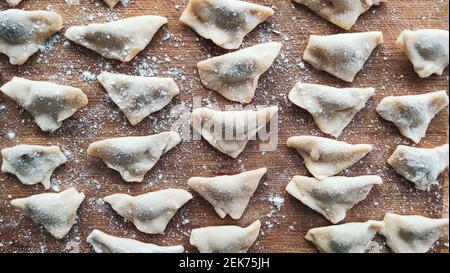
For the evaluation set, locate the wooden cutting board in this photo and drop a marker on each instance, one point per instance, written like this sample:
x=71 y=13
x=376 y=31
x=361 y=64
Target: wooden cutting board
x=174 y=52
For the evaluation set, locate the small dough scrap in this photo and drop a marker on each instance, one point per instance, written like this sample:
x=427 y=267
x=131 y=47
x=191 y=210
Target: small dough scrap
x=412 y=114
x=23 y=33
x=225 y=22
x=228 y=194
x=427 y=49
x=333 y=196
x=412 y=233
x=230 y=131
x=332 y=108
x=111 y=3
x=342 y=55
x=150 y=212
x=225 y=239
x=119 y=40
x=342 y=13
x=326 y=157
x=235 y=75
x=32 y=164
x=138 y=97
x=49 y=104
x=133 y=157
x=105 y=243
x=57 y=212
x=421 y=166
x=345 y=238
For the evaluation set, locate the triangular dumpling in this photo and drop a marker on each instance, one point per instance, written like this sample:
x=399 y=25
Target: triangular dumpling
x=22 y=33
x=120 y=40
x=332 y=196
x=228 y=194
x=150 y=212
x=325 y=157
x=57 y=212
x=427 y=49
x=235 y=75
x=13 y=2
x=136 y=96
x=341 y=55
x=32 y=164
x=412 y=114
x=412 y=233
x=225 y=239
x=133 y=157
x=345 y=238
x=229 y=131
x=105 y=243
x=225 y=22
x=111 y=3
x=49 y=103
x=332 y=108
x=342 y=13
x=421 y=166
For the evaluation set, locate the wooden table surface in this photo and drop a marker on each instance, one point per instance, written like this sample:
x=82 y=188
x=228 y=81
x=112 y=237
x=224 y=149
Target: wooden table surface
x=174 y=52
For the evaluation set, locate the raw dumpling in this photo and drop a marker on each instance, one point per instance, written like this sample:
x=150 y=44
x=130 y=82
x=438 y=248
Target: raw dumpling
x=133 y=157
x=427 y=49
x=57 y=212
x=150 y=212
x=22 y=33
x=13 y=2
x=225 y=22
x=342 y=13
x=341 y=55
x=345 y=238
x=49 y=103
x=235 y=75
x=32 y=164
x=332 y=196
x=120 y=40
x=225 y=239
x=138 y=97
x=420 y=165
x=412 y=114
x=104 y=243
x=332 y=108
x=412 y=233
x=228 y=194
x=238 y=127
x=111 y=3
x=325 y=157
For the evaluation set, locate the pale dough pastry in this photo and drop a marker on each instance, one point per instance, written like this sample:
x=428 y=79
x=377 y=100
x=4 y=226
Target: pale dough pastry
x=111 y=3
x=13 y=2
x=32 y=164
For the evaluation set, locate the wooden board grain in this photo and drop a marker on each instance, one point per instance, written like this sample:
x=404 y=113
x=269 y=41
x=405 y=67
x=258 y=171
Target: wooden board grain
x=174 y=52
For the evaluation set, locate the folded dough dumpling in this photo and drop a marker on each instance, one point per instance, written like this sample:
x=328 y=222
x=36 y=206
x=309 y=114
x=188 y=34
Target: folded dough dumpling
x=412 y=114
x=332 y=196
x=229 y=194
x=32 y=164
x=105 y=243
x=342 y=13
x=136 y=96
x=57 y=212
x=332 y=108
x=150 y=212
x=427 y=49
x=235 y=75
x=49 y=103
x=23 y=33
x=133 y=157
x=111 y=3
x=345 y=238
x=13 y=2
x=225 y=22
x=342 y=55
x=421 y=166
x=225 y=239
x=412 y=233
x=230 y=131
x=325 y=157
x=120 y=40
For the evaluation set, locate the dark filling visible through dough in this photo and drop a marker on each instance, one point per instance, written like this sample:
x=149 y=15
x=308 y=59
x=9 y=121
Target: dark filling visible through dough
x=222 y=17
x=28 y=164
x=12 y=32
x=428 y=49
x=105 y=40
